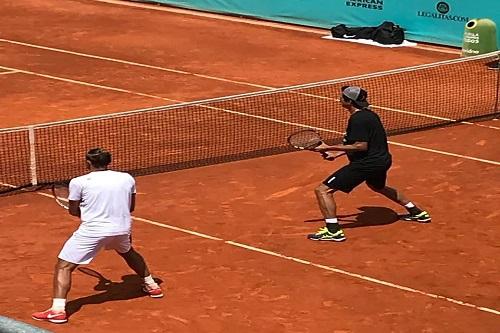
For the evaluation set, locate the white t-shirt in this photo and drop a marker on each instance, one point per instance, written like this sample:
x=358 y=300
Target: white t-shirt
x=104 y=202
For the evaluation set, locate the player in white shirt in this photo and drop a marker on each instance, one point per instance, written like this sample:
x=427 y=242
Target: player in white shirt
x=103 y=199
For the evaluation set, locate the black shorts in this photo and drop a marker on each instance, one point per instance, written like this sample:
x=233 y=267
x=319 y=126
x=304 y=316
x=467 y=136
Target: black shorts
x=348 y=177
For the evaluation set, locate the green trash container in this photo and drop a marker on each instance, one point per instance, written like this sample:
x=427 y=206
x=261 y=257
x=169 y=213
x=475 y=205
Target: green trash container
x=480 y=36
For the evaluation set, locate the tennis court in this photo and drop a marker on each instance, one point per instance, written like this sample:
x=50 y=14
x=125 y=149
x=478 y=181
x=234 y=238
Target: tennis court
x=228 y=239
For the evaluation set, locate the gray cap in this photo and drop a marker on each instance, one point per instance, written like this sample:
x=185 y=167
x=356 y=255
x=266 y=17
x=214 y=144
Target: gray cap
x=357 y=95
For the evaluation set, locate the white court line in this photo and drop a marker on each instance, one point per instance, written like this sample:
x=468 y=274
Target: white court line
x=481 y=125
x=264 y=23
x=257 y=117
x=88 y=84
x=86 y=55
x=306 y=262
x=416 y=114
x=444 y=153
x=9 y=72
x=423 y=115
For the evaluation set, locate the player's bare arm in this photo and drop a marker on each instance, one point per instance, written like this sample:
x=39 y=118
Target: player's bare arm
x=356 y=146
x=74 y=208
x=132 y=202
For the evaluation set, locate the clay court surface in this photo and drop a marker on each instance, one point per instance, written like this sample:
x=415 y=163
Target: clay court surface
x=228 y=240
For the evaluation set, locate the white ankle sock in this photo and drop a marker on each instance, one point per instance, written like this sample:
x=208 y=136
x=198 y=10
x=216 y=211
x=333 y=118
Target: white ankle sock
x=58 y=304
x=149 y=280
x=409 y=205
x=332 y=220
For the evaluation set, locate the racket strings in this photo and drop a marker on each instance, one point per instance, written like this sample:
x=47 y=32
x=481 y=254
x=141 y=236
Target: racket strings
x=305 y=139
x=60 y=194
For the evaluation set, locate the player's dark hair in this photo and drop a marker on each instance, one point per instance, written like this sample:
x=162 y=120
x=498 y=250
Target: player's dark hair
x=361 y=98
x=98 y=157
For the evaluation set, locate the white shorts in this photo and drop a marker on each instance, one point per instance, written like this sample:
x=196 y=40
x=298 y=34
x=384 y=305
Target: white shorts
x=80 y=249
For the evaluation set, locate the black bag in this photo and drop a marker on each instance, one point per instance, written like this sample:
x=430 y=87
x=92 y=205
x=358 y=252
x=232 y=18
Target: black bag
x=389 y=33
x=386 y=33
x=341 y=31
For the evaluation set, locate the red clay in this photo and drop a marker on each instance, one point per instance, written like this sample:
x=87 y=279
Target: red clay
x=211 y=285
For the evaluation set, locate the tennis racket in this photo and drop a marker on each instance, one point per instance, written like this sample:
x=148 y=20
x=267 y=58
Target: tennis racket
x=103 y=282
x=60 y=193
x=308 y=139
x=305 y=139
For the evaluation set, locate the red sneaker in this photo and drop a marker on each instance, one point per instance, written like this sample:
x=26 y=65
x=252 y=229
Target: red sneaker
x=56 y=317
x=153 y=290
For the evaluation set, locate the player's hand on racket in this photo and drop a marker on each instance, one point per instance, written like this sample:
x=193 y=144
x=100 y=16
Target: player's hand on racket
x=331 y=156
x=321 y=147
x=327 y=155
x=309 y=139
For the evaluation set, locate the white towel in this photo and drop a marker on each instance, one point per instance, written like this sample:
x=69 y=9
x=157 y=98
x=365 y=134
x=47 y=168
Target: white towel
x=372 y=42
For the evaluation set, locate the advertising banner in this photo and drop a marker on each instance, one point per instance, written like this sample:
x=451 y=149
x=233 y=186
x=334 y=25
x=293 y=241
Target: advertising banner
x=434 y=21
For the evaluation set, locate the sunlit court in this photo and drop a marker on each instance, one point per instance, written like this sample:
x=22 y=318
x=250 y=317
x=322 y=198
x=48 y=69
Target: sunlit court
x=198 y=107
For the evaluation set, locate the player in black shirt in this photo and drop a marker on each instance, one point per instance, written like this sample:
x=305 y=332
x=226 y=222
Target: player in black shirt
x=365 y=144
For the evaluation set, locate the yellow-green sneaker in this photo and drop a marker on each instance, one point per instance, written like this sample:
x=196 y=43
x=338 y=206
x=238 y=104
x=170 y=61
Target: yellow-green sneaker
x=422 y=217
x=323 y=234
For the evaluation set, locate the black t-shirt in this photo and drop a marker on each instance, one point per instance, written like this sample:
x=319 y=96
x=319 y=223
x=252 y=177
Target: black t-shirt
x=365 y=126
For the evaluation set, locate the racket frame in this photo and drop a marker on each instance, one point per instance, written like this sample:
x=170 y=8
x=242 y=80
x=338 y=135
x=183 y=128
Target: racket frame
x=311 y=147
x=63 y=202
x=326 y=155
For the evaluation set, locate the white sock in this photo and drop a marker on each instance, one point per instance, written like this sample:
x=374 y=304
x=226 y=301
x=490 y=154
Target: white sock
x=332 y=220
x=149 y=280
x=409 y=205
x=58 y=304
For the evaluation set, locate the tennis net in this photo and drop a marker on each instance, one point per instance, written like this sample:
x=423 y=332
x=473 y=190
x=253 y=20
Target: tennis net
x=199 y=133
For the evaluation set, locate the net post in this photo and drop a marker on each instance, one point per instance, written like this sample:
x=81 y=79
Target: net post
x=31 y=138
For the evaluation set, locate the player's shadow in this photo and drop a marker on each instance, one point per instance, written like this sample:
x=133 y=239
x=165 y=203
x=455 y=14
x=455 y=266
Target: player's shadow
x=368 y=216
x=129 y=288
